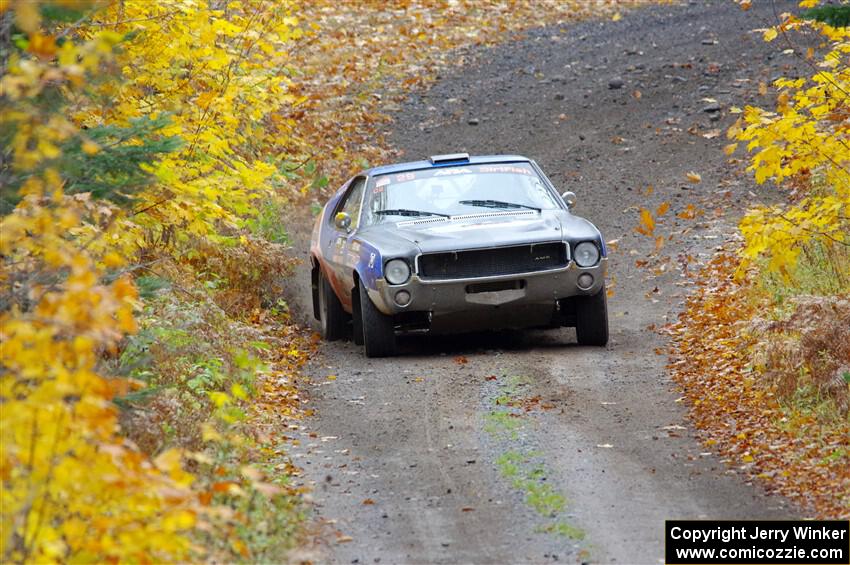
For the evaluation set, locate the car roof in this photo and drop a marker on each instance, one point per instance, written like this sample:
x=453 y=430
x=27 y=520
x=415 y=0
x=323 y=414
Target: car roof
x=427 y=164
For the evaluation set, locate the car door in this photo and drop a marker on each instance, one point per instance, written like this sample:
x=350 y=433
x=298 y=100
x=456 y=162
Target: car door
x=340 y=243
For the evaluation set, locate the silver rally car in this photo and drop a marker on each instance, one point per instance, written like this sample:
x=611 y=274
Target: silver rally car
x=455 y=244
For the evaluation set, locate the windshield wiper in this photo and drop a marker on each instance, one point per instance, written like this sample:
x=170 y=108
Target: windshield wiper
x=406 y=212
x=496 y=204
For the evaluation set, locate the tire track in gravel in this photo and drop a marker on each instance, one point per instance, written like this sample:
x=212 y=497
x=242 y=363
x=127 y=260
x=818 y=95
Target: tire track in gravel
x=407 y=433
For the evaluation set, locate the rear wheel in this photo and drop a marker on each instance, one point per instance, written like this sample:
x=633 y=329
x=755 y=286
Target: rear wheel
x=592 y=319
x=331 y=313
x=377 y=328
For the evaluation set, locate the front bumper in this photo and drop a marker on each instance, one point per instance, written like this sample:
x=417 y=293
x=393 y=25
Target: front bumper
x=531 y=291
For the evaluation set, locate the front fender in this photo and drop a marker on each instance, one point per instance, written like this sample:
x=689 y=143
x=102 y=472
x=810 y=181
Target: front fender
x=368 y=263
x=370 y=273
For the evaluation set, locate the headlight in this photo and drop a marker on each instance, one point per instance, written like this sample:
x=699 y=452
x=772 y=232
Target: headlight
x=397 y=271
x=587 y=254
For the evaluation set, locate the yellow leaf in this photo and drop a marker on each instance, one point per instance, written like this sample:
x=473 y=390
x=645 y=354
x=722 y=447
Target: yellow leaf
x=205 y=99
x=90 y=147
x=209 y=433
x=647 y=224
x=168 y=460
x=239 y=391
x=43 y=46
x=27 y=16
x=219 y=398
x=179 y=521
x=770 y=34
x=113 y=260
x=689 y=213
x=694 y=177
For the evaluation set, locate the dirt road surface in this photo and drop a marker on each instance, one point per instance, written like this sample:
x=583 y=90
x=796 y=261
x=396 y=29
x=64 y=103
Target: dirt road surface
x=524 y=447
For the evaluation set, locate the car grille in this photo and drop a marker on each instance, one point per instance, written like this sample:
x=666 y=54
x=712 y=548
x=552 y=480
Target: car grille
x=474 y=263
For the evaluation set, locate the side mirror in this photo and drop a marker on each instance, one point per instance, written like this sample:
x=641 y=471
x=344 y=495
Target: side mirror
x=570 y=199
x=342 y=221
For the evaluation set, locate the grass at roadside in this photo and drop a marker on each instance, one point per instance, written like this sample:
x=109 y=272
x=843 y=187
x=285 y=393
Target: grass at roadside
x=216 y=363
x=524 y=468
x=764 y=380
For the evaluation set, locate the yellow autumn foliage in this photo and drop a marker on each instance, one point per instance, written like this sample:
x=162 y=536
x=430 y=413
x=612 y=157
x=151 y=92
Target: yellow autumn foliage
x=218 y=74
x=72 y=487
x=804 y=142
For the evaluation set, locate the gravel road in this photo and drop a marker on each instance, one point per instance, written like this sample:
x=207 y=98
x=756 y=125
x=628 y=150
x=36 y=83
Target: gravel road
x=524 y=447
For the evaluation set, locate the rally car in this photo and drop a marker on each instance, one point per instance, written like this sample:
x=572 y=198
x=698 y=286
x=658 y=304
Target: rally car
x=455 y=244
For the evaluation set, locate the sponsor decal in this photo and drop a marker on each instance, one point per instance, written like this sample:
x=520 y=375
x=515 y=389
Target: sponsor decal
x=504 y=169
x=453 y=171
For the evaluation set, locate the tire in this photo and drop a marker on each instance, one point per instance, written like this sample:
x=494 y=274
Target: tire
x=378 y=328
x=331 y=314
x=592 y=319
x=356 y=317
x=315 y=273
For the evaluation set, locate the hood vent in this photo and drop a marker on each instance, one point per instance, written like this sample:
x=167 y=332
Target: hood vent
x=437 y=220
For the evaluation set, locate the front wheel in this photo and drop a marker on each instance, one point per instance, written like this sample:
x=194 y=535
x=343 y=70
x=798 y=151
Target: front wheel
x=377 y=328
x=592 y=319
x=356 y=317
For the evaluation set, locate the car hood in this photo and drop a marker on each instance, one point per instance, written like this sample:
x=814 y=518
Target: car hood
x=494 y=228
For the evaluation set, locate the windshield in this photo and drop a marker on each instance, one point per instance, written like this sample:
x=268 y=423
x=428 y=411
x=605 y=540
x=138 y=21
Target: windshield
x=454 y=191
